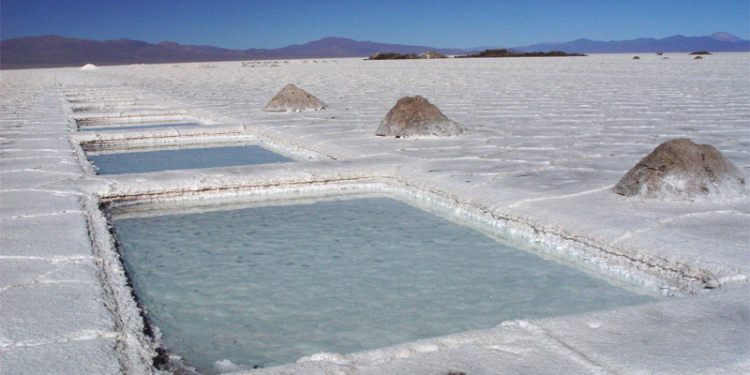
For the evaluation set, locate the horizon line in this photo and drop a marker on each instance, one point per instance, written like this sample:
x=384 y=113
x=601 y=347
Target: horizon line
x=371 y=41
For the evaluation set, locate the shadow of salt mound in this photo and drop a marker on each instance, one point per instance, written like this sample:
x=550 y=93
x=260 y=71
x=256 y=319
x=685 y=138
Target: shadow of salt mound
x=293 y=99
x=682 y=170
x=415 y=116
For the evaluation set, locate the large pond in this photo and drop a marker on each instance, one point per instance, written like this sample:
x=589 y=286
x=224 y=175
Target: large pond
x=186 y=158
x=266 y=285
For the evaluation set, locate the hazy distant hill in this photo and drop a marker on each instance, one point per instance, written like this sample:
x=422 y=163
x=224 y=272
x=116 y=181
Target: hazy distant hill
x=56 y=51
x=718 y=42
x=342 y=47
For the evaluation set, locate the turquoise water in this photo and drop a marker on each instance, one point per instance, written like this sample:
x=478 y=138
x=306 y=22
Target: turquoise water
x=189 y=158
x=268 y=285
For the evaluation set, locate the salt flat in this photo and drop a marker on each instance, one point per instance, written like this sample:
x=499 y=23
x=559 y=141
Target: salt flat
x=547 y=139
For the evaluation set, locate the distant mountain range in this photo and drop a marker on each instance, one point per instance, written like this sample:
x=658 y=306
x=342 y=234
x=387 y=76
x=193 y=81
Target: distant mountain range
x=717 y=42
x=57 y=51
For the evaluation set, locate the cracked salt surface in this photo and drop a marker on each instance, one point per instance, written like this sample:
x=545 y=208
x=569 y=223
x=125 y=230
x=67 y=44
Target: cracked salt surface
x=268 y=285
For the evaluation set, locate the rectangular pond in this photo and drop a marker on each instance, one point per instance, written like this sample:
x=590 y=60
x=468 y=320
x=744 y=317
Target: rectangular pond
x=137 y=126
x=184 y=158
x=136 y=119
x=265 y=284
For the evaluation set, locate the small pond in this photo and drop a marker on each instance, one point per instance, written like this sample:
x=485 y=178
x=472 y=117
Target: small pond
x=184 y=158
x=136 y=126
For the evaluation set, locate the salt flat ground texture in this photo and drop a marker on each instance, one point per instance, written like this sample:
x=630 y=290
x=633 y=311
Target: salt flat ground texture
x=547 y=139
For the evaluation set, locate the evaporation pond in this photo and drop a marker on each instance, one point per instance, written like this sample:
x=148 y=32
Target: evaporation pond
x=137 y=126
x=267 y=285
x=188 y=158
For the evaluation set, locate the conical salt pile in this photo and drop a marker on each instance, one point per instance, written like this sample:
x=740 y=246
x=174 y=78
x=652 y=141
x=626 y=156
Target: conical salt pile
x=293 y=99
x=415 y=116
x=682 y=170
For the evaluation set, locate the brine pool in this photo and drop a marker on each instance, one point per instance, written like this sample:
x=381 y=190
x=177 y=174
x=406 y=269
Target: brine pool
x=266 y=285
x=184 y=158
x=137 y=126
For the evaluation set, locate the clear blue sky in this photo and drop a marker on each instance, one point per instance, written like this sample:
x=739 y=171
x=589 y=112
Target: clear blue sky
x=247 y=24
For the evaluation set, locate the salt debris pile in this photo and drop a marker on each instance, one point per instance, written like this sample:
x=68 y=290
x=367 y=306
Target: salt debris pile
x=89 y=67
x=415 y=116
x=683 y=170
x=293 y=99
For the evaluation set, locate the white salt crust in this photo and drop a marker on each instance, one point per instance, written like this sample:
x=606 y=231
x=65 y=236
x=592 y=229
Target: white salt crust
x=546 y=140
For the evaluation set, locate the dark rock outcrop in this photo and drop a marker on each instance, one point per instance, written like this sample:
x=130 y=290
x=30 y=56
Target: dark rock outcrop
x=415 y=116
x=683 y=170
x=507 y=53
x=410 y=56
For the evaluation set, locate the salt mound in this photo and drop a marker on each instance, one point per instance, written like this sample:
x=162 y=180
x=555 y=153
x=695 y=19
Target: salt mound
x=414 y=115
x=89 y=67
x=432 y=55
x=293 y=99
x=682 y=170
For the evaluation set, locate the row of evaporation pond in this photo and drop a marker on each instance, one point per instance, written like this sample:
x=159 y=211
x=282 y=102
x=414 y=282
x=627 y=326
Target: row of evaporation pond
x=254 y=284
x=111 y=110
